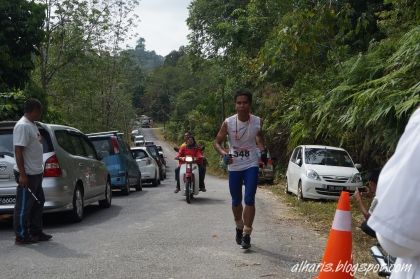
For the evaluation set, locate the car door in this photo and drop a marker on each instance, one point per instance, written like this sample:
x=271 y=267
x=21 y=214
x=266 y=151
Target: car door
x=98 y=175
x=130 y=163
x=295 y=169
x=83 y=164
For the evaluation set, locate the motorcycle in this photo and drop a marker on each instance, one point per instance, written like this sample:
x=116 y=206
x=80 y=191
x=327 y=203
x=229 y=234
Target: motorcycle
x=190 y=177
x=386 y=261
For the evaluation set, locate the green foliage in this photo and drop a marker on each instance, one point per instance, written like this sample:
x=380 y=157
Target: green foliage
x=342 y=73
x=20 y=36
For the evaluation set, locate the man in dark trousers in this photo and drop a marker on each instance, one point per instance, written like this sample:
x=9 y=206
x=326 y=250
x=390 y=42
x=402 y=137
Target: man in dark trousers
x=27 y=219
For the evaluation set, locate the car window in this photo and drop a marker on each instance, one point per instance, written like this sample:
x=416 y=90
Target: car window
x=46 y=141
x=153 y=151
x=103 y=146
x=6 y=142
x=139 y=154
x=78 y=145
x=65 y=141
x=294 y=154
x=89 y=149
x=328 y=157
x=299 y=154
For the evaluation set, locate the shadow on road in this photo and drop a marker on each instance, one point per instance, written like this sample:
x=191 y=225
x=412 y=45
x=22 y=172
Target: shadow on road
x=274 y=257
x=55 y=250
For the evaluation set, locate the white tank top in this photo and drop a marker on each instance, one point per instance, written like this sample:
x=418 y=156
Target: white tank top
x=242 y=142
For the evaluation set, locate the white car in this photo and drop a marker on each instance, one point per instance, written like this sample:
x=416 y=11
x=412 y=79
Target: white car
x=148 y=167
x=321 y=172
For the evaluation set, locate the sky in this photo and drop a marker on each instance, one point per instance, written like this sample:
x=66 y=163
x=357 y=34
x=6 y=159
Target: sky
x=163 y=24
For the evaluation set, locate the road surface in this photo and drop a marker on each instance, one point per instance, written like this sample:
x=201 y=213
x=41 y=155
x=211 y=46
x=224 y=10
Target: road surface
x=156 y=234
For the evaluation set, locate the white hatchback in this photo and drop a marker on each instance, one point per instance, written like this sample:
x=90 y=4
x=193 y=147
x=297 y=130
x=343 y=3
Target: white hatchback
x=148 y=167
x=321 y=172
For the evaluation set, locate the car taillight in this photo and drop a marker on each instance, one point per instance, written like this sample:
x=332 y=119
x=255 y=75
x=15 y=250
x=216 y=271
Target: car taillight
x=114 y=143
x=52 y=167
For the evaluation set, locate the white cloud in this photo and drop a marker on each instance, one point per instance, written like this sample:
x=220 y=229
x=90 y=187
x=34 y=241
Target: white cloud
x=163 y=24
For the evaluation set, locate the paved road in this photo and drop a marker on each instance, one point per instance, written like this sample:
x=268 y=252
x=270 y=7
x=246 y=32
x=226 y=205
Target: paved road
x=156 y=234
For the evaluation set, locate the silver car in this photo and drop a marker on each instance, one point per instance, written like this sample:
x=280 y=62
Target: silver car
x=73 y=175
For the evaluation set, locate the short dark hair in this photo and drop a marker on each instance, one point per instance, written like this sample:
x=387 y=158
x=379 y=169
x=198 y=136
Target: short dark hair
x=32 y=104
x=243 y=92
x=373 y=176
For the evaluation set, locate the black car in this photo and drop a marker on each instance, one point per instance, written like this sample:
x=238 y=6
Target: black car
x=154 y=151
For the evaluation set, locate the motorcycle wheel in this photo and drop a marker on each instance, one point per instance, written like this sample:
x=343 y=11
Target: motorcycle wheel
x=188 y=191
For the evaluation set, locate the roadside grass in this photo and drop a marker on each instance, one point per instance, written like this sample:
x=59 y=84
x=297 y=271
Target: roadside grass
x=320 y=214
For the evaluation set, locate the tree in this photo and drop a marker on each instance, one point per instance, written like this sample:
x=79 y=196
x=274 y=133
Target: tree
x=20 y=36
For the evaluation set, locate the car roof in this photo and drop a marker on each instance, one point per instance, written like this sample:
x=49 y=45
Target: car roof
x=323 y=147
x=107 y=133
x=11 y=124
x=138 y=148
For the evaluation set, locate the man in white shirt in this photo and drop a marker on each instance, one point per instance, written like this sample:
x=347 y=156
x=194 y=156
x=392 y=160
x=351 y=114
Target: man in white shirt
x=27 y=221
x=395 y=210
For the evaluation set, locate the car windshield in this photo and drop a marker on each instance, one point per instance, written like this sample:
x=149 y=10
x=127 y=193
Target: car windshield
x=153 y=150
x=327 y=157
x=139 y=154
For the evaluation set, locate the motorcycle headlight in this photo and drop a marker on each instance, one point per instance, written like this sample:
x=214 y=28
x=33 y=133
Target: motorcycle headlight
x=312 y=174
x=356 y=178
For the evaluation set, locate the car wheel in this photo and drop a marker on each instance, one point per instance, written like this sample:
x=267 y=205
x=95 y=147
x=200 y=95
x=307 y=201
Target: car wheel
x=286 y=187
x=300 y=192
x=106 y=203
x=126 y=191
x=78 y=204
x=139 y=185
x=156 y=181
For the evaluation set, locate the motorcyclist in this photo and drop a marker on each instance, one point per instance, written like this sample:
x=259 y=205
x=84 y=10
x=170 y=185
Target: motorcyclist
x=186 y=135
x=192 y=149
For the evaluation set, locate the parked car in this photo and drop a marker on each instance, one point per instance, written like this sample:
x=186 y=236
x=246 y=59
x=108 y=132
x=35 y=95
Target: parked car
x=139 y=140
x=266 y=171
x=153 y=150
x=148 y=166
x=117 y=157
x=321 y=172
x=162 y=156
x=148 y=142
x=73 y=174
x=134 y=133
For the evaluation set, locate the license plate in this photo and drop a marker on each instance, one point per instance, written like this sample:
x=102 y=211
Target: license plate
x=7 y=200
x=336 y=188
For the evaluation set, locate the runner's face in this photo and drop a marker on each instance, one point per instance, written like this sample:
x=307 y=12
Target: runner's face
x=242 y=104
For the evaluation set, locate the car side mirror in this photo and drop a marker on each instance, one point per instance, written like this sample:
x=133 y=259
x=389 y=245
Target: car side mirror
x=299 y=162
x=358 y=166
x=99 y=157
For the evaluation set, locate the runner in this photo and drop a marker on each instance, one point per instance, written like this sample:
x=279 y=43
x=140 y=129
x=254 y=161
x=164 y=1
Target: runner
x=246 y=144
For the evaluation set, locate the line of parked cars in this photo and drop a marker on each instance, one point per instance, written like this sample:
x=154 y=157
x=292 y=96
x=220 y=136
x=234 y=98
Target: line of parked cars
x=79 y=169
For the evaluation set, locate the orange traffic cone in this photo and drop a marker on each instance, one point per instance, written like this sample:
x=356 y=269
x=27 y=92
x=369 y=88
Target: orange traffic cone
x=337 y=261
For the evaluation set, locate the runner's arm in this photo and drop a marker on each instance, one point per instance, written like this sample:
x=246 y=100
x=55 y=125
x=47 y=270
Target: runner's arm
x=260 y=138
x=221 y=136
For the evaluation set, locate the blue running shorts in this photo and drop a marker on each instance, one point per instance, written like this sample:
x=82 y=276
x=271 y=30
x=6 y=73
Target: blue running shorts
x=249 y=178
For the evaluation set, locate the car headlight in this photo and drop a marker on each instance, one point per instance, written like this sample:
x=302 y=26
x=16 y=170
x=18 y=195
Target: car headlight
x=356 y=178
x=312 y=174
